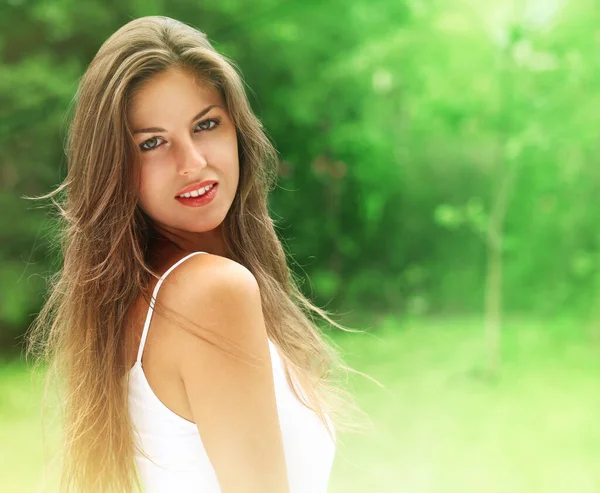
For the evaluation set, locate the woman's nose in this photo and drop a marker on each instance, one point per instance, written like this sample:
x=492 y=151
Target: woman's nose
x=190 y=158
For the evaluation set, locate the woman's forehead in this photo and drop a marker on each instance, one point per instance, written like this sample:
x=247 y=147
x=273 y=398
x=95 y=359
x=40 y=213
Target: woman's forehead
x=170 y=94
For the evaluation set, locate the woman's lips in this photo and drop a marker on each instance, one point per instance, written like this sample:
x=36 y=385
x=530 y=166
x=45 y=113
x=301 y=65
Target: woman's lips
x=201 y=199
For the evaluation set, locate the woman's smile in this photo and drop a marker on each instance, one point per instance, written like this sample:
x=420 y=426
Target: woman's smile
x=196 y=199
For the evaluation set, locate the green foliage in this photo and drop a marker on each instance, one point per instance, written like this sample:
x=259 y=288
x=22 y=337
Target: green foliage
x=395 y=124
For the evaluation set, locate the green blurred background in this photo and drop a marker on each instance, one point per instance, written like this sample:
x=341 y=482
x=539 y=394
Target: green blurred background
x=437 y=190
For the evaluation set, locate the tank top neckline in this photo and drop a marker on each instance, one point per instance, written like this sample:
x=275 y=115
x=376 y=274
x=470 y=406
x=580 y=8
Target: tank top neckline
x=137 y=366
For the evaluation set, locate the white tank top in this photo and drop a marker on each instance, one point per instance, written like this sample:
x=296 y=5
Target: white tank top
x=179 y=462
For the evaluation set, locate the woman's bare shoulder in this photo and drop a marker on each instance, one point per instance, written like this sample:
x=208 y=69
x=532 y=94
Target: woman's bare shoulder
x=213 y=269
x=221 y=269
x=209 y=287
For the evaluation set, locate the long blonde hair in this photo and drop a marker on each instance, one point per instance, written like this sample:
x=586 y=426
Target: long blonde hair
x=104 y=237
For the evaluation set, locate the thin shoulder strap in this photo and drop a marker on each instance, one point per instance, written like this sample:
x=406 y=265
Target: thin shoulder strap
x=153 y=300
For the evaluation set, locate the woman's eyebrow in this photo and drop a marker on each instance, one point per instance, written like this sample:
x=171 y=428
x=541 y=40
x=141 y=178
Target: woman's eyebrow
x=158 y=129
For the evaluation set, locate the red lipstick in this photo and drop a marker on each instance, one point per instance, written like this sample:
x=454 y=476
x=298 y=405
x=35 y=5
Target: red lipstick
x=199 y=200
x=195 y=186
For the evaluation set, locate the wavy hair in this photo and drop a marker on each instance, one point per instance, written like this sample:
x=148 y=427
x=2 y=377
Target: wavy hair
x=104 y=240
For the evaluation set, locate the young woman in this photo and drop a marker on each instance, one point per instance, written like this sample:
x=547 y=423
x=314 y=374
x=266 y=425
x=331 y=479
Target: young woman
x=186 y=353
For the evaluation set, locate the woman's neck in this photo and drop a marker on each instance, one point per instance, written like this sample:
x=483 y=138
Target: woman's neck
x=167 y=247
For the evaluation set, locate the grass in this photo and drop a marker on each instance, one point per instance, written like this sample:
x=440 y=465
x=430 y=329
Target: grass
x=22 y=452
x=440 y=425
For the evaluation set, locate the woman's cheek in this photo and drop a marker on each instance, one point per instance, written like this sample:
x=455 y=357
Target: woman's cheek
x=149 y=194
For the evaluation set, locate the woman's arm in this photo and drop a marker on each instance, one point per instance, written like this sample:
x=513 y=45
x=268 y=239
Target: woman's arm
x=233 y=403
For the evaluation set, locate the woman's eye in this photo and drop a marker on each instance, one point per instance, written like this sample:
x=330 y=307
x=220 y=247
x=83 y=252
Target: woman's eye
x=216 y=122
x=143 y=146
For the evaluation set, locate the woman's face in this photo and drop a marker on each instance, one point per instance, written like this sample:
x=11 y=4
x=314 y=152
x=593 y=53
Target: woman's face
x=185 y=137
